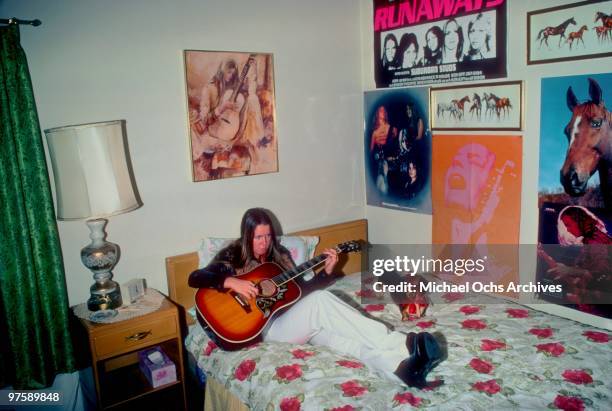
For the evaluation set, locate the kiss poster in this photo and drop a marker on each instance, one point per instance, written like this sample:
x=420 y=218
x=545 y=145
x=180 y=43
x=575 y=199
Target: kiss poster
x=419 y=42
x=397 y=149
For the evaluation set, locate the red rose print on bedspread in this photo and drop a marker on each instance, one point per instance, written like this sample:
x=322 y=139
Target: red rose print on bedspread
x=244 y=370
x=407 y=398
x=210 y=347
x=343 y=408
x=542 y=332
x=517 y=313
x=374 y=307
x=301 y=354
x=349 y=364
x=474 y=324
x=567 y=403
x=481 y=366
x=290 y=404
x=490 y=345
x=288 y=373
x=425 y=324
x=597 y=336
x=433 y=384
x=577 y=376
x=551 y=349
x=469 y=309
x=353 y=388
x=490 y=387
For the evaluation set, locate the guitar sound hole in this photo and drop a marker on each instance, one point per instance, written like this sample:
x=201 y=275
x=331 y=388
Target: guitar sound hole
x=267 y=288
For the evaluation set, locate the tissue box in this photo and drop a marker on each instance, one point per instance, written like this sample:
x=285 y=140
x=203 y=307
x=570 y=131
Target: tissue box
x=160 y=372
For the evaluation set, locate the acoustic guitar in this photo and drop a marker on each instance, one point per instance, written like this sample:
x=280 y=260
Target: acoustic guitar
x=226 y=126
x=238 y=321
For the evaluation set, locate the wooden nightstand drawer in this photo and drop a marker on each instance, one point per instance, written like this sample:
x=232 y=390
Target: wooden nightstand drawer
x=132 y=338
x=114 y=347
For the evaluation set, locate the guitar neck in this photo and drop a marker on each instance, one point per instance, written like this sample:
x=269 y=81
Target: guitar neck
x=300 y=269
x=243 y=75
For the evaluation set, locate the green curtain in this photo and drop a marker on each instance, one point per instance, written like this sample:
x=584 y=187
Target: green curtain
x=33 y=298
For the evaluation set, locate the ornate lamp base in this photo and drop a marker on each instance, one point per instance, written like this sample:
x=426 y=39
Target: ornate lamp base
x=100 y=256
x=104 y=296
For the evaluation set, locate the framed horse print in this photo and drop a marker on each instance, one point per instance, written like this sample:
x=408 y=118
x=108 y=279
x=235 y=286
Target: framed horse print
x=487 y=106
x=575 y=31
x=232 y=116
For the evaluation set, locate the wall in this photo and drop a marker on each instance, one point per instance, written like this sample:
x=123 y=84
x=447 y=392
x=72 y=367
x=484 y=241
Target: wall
x=94 y=61
x=416 y=228
x=103 y=60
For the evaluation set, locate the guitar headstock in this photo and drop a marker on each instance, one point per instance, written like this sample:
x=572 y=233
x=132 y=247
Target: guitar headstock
x=349 y=247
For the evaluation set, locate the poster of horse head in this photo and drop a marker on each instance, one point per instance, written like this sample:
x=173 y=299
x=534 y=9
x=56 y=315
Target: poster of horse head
x=570 y=32
x=576 y=147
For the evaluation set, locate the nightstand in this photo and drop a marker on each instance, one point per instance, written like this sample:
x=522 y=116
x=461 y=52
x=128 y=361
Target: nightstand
x=120 y=384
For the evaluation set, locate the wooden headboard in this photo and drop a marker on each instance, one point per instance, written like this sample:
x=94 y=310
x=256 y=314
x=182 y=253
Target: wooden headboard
x=179 y=267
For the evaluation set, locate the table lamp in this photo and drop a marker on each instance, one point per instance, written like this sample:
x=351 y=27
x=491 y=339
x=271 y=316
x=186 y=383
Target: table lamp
x=93 y=180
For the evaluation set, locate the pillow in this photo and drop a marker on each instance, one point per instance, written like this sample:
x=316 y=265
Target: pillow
x=302 y=248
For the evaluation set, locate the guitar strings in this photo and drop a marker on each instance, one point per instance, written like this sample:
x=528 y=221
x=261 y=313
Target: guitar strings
x=303 y=271
x=300 y=273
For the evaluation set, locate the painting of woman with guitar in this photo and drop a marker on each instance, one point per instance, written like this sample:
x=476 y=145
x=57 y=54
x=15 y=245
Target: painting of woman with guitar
x=252 y=290
x=227 y=94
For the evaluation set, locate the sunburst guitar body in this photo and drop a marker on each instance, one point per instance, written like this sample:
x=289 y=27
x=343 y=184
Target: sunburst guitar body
x=238 y=321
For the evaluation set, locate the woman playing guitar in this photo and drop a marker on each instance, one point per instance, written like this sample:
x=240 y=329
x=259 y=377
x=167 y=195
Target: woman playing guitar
x=319 y=318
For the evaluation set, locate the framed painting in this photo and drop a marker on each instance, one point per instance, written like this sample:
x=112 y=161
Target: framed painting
x=575 y=31
x=490 y=106
x=231 y=112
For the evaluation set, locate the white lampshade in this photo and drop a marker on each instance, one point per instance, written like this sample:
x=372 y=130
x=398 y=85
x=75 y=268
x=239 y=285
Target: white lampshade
x=91 y=170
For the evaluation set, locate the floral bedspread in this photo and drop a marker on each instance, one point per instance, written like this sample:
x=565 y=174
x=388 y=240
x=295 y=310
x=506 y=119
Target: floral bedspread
x=500 y=356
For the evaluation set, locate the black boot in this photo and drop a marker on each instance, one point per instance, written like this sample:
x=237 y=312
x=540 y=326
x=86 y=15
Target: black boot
x=411 y=343
x=414 y=369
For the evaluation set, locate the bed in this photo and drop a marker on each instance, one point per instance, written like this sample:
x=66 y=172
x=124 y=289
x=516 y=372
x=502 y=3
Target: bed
x=501 y=355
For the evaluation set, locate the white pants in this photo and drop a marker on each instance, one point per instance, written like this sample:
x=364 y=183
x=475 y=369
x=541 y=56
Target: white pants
x=321 y=318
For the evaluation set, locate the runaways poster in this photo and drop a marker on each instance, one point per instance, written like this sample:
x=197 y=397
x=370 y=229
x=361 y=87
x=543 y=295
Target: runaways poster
x=420 y=42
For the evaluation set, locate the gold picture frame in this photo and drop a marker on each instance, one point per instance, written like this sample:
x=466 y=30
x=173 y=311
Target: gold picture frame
x=231 y=111
x=486 y=106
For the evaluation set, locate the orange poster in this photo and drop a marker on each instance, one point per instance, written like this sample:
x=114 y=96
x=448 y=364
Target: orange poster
x=476 y=199
x=476 y=189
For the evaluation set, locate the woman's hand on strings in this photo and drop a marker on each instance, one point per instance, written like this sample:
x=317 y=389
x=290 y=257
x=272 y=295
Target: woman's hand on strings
x=242 y=287
x=331 y=261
